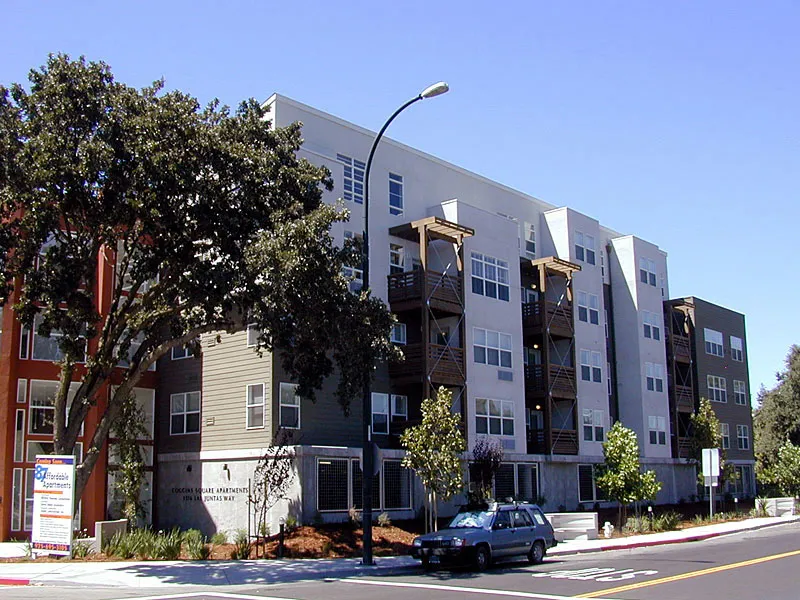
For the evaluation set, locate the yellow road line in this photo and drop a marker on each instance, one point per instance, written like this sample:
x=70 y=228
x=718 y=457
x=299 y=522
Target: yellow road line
x=635 y=586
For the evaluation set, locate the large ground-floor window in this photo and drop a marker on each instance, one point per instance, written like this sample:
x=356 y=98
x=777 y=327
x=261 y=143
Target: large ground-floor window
x=339 y=485
x=519 y=481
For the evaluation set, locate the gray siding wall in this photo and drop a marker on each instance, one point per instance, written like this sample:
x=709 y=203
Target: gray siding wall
x=228 y=367
x=729 y=323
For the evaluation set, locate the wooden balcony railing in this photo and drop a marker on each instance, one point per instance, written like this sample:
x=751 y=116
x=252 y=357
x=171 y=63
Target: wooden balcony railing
x=684 y=447
x=681 y=347
x=558 y=379
x=544 y=313
x=410 y=288
x=684 y=398
x=565 y=441
x=445 y=364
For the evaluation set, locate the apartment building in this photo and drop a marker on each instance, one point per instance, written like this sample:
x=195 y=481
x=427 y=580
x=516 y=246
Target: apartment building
x=707 y=352
x=545 y=324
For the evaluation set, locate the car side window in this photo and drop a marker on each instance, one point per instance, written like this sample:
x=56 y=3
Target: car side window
x=502 y=520
x=537 y=514
x=521 y=519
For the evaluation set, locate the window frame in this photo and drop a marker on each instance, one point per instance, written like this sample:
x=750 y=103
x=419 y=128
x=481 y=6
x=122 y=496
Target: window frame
x=588 y=308
x=250 y=406
x=593 y=424
x=654 y=372
x=596 y=494
x=585 y=248
x=529 y=239
x=185 y=413
x=657 y=430
x=480 y=263
x=397 y=258
x=713 y=347
x=647 y=272
x=743 y=435
x=397 y=180
x=717 y=393
x=401 y=339
x=353 y=178
x=501 y=418
x=651 y=325
x=737 y=348
x=288 y=406
x=486 y=346
x=384 y=397
x=739 y=395
x=725 y=435
x=590 y=361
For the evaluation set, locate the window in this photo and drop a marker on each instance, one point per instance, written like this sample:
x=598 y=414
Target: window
x=184 y=413
x=399 y=333
x=593 y=425
x=587 y=486
x=491 y=347
x=588 y=308
x=584 y=248
x=16 y=501
x=495 y=417
x=657 y=427
x=717 y=388
x=289 y=406
x=380 y=413
x=255 y=406
x=397 y=262
x=46 y=348
x=28 y=499
x=22 y=391
x=356 y=487
x=399 y=407
x=647 y=271
x=395 y=194
x=19 y=435
x=353 y=178
x=739 y=392
x=355 y=275
x=725 y=433
x=397 y=484
x=590 y=366
x=743 y=437
x=252 y=335
x=713 y=341
x=42 y=410
x=529 y=239
x=737 y=347
x=654 y=377
x=181 y=352
x=490 y=277
x=651 y=323
x=332 y=492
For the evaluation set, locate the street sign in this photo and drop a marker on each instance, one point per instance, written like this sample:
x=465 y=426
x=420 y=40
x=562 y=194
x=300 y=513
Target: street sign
x=710 y=462
x=53 y=504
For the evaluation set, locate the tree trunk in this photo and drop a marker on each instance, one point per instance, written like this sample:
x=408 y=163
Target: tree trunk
x=435 y=511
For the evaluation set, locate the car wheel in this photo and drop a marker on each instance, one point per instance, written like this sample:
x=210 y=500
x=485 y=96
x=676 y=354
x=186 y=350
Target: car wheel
x=536 y=554
x=482 y=558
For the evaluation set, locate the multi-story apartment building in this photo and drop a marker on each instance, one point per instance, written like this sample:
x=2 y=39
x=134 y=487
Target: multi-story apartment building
x=545 y=324
x=707 y=358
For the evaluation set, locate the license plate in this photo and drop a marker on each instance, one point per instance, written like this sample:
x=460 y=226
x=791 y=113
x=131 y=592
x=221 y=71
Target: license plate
x=434 y=559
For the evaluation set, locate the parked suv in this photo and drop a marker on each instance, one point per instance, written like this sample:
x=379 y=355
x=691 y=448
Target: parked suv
x=480 y=536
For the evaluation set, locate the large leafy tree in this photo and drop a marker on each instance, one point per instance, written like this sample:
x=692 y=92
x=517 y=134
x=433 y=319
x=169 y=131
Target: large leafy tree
x=778 y=417
x=434 y=451
x=621 y=478
x=784 y=470
x=207 y=219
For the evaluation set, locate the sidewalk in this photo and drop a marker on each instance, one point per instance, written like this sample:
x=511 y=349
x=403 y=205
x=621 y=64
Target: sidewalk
x=152 y=574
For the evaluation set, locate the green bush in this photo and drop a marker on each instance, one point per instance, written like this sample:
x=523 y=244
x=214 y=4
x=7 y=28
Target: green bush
x=81 y=549
x=220 y=537
x=167 y=546
x=242 y=545
x=637 y=525
x=196 y=546
x=384 y=520
x=667 y=521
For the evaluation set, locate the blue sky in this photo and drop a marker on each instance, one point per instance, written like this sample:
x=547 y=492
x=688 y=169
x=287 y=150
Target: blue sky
x=613 y=108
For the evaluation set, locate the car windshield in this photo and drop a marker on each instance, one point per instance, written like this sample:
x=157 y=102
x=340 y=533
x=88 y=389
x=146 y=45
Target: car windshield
x=472 y=518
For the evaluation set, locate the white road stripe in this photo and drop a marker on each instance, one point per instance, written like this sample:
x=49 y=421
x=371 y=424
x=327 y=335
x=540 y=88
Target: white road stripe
x=455 y=588
x=208 y=594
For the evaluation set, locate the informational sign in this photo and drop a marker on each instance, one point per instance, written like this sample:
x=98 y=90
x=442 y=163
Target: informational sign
x=53 y=504
x=711 y=466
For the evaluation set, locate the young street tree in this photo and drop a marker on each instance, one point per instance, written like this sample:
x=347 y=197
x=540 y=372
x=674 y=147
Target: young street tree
x=433 y=451
x=621 y=476
x=202 y=219
x=706 y=434
x=487 y=456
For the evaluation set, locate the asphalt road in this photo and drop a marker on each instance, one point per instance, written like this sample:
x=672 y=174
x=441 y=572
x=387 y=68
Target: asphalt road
x=763 y=564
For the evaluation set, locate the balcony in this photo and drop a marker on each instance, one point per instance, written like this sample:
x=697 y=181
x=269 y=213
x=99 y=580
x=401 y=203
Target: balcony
x=559 y=380
x=544 y=315
x=565 y=441
x=408 y=290
x=684 y=398
x=684 y=447
x=681 y=347
x=445 y=365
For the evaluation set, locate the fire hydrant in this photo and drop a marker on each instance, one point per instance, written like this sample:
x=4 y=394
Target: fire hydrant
x=608 y=529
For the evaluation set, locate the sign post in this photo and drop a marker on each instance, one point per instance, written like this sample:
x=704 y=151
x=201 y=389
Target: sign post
x=53 y=504
x=711 y=474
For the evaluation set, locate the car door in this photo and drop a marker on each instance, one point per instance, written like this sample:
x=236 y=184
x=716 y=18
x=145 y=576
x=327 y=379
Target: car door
x=524 y=531
x=503 y=535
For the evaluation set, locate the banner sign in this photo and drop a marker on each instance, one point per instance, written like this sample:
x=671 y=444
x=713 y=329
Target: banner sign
x=53 y=504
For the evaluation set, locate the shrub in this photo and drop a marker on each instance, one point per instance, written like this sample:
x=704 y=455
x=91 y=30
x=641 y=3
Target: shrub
x=220 y=537
x=291 y=522
x=196 y=547
x=666 y=521
x=167 y=546
x=636 y=525
x=355 y=516
x=384 y=520
x=241 y=545
x=81 y=549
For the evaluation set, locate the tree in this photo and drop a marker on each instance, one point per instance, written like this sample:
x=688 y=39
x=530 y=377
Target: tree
x=128 y=429
x=778 y=417
x=487 y=456
x=433 y=451
x=784 y=472
x=272 y=478
x=207 y=219
x=621 y=478
x=706 y=433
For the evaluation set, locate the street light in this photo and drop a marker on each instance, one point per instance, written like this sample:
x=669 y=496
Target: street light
x=367 y=453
